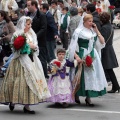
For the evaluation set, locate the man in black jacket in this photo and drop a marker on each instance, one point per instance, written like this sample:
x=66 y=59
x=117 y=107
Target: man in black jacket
x=52 y=32
x=39 y=25
x=92 y=10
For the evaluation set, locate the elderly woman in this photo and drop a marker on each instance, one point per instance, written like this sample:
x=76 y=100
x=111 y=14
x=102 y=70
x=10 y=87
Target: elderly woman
x=74 y=21
x=109 y=60
x=87 y=43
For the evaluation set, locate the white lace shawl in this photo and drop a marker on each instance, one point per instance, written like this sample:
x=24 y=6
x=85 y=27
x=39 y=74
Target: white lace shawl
x=34 y=74
x=94 y=79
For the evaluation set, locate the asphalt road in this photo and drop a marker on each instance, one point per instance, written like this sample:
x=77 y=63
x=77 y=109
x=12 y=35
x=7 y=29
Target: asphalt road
x=106 y=108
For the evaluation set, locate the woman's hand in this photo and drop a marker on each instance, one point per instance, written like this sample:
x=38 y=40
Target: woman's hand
x=78 y=58
x=95 y=27
x=101 y=38
x=32 y=46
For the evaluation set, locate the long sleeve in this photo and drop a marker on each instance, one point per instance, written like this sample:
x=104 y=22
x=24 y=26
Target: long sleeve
x=43 y=23
x=104 y=33
x=59 y=16
x=51 y=24
x=68 y=21
x=11 y=29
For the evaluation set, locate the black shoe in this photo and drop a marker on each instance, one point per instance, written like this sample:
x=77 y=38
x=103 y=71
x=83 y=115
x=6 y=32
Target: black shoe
x=65 y=105
x=77 y=100
x=47 y=77
x=57 y=103
x=114 y=91
x=11 y=107
x=28 y=111
x=88 y=103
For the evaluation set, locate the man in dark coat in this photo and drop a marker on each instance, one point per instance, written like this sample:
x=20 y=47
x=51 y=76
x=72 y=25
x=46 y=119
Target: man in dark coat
x=52 y=32
x=39 y=25
x=92 y=10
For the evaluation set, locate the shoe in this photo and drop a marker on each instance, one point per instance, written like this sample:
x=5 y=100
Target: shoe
x=65 y=105
x=28 y=111
x=77 y=100
x=47 y=77
x=57 y=103
x=88 y=103
x=114 y=91
x=11 y=106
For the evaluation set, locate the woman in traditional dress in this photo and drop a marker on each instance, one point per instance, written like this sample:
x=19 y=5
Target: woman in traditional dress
x=87 y=41
x=24 y=82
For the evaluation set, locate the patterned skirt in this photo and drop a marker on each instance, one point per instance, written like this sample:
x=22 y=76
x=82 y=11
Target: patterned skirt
x=14 y=87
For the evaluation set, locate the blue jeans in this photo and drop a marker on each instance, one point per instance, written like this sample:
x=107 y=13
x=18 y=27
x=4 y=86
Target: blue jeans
x=50 y=49
x=8 y=61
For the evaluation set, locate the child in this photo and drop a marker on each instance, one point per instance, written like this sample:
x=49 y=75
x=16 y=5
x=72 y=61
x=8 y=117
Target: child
x=59 y=84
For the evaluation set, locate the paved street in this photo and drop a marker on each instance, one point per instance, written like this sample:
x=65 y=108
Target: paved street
x=106 y=107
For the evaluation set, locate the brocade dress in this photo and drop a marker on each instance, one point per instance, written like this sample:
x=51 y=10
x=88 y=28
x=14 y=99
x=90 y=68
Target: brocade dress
x=24 y=81
x=59 y=84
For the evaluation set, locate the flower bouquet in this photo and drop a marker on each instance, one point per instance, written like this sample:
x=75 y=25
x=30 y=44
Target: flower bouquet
x=55 y=65
x=111 y=7
x=20 y=44
x=88 y=60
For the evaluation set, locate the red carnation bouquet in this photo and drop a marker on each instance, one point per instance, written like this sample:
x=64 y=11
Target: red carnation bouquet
x=19 y=42
x=57 y=63
x=111 y=7
x=88 y=60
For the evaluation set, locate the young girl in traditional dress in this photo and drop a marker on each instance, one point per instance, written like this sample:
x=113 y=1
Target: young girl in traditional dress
x=59 y=83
